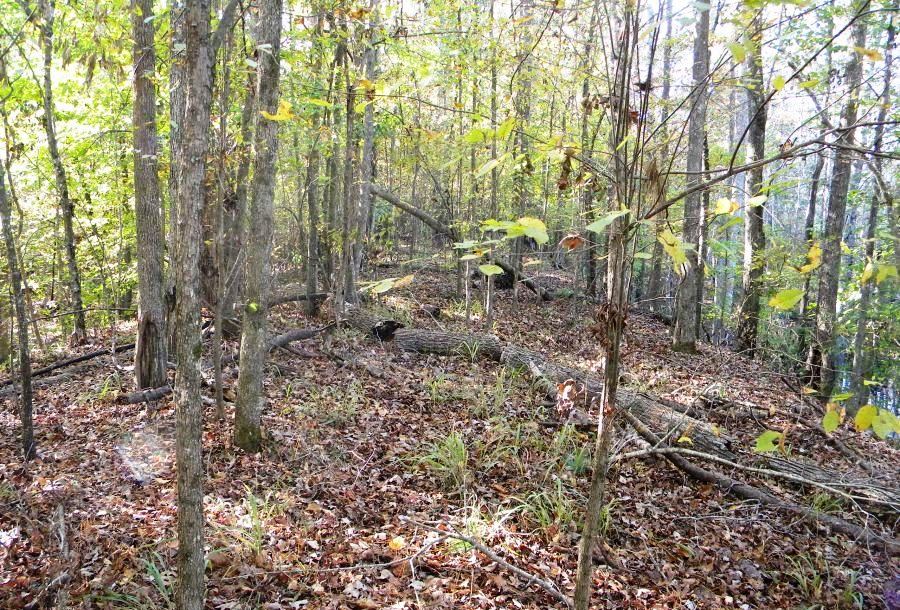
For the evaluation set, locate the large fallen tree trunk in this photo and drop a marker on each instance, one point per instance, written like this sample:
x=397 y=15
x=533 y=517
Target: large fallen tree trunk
x=666 y=424
x=299 y=295
x=442 y=229
x=70 y=361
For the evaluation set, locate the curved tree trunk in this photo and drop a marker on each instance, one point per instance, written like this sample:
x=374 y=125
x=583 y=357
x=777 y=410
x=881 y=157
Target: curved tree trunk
x=248 y=407
x=151 y=352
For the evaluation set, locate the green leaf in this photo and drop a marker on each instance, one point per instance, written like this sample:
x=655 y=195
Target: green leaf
x=884 y=272
x=601 y=223
x=252 y=307
x=809 y=84
x=465 y=245
x=737 y=51
x=864 y=417
x=506 y=128
x=490 y=269
x=488 y=166
x=535 y=229
x=841 y=397
x=765 y=442
x=757 y=201
x=831 y=421
x=786 y=299
x=470 y=257
x=474 y=136
x=884 y=423
x=778 y=83
x=312 y=101
x=643 y=255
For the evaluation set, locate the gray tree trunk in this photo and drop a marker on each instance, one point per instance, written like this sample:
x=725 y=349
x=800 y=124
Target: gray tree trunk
x=364 y=205
x=15 y=278
x=189 y=154
x=686 y=328
x=822 y=349
x=754 y=234
x=860 y=359
x=151 y=349
x=248 y=407
x=655 y=292
x=59 y=171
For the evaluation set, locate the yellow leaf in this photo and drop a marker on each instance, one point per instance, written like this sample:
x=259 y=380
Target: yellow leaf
x=778 y=83
x=845 y=248
x=831 y=421
x=283 y=113
x=813 y=258
x=870 y=54
x=673 y=247
x=725 y=206
x=884 y=272
x=396 y=543
x=687 y=440
x=864 y=417
x=868 y=272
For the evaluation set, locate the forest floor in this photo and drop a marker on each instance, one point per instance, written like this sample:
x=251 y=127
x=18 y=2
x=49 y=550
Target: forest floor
x=370 y=448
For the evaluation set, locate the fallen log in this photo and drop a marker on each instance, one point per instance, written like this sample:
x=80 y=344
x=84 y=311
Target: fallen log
x=144 y=395
x=748 y=492
x=662 y=421
x=292 y=297
x=70 y=361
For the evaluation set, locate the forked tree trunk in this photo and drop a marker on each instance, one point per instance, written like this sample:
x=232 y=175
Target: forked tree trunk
x=754 y=235
x=189 y=153
x=15 y=277
x=151 y=353
x=248 y=407
x=686 y=328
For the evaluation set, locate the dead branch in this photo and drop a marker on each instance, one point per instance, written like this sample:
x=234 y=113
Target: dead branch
x=69 y=361
x=546 y=585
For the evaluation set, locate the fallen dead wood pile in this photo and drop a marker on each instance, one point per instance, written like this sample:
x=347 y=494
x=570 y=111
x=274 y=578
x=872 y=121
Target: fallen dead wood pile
x=660 y=425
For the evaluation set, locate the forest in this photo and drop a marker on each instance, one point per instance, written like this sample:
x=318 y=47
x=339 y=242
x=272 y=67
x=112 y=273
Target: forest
x=404 y=304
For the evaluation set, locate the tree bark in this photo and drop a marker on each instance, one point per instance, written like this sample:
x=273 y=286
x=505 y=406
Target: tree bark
x=686 y=331
x=822 y=350
x=248 y=407
x=151 y=352
x=859 y=388
x=189 y=153
x=66 y=204
x=15 y=278
x=754 y=234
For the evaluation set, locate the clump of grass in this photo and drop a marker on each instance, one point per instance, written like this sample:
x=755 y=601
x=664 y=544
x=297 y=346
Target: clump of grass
x=335 y=406
x=448 y=460
x=549 y=507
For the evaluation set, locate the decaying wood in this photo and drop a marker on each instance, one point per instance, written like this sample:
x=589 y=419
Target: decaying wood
x=292 y=297
x=748 y=492
x=144 y=395
x=666 y=425
x=70 y=361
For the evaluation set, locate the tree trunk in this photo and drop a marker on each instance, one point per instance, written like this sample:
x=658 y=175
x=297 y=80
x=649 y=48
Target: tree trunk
x=364 y=205
x=59 y=172
x=190 y=151
x=859 y=388
x=248 y=407
x=655 y=292
x=822 y=350
x=151 y=353
x=15 y=278
x=686 y=331
x=587 y=188
x=754 y=235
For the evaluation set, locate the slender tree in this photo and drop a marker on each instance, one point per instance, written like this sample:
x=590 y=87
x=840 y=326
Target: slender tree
x=754 y=234
x=822 y=351
x=686 y=324
x=151 y=349
x=15 y=278
x=190 y=149
x=247 y=433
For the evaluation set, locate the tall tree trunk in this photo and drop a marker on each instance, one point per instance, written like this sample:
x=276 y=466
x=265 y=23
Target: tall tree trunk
x=587 y=188
x=754 y=234
x=312 y=240
x=860 y=358
x=59 y=171
x=822 y=350
x=151 y=348
x=15 y=278
x=190 y=151
x=655 y=290
x=364 y=204
x=686 y=331
x=248 y=407
x=177 y=102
